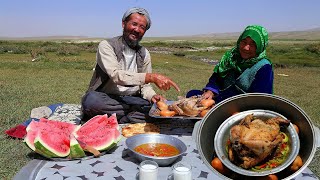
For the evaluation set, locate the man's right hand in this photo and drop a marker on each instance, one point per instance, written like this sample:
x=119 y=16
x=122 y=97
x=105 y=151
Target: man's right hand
x=161 y=81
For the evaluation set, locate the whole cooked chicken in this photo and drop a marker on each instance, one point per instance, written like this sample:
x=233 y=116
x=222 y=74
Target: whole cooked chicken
x=188 y=106
x=253 y=140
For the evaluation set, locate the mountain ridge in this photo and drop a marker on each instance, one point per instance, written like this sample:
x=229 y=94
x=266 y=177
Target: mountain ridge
x=309 y=34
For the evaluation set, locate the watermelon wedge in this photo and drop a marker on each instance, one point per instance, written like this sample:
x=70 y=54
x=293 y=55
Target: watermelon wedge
x=52 y=138
x=52 y=146
x=101 y=139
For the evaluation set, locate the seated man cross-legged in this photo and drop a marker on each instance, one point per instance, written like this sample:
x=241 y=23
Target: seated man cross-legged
x=121 y=80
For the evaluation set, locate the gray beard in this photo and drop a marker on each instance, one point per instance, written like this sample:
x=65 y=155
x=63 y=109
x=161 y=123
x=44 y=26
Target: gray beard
x=131 y=43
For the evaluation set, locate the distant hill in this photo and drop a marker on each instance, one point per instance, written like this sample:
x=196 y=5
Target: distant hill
x=48 y=38
x=310 y=34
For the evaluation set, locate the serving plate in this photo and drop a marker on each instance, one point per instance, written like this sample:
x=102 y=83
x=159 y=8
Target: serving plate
x=223 y=134
x=154 y=109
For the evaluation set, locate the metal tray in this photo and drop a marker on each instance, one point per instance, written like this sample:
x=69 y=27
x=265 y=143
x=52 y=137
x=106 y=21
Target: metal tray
x=154 y=108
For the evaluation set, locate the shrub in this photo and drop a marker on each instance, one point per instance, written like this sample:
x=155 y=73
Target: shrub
x=70 y=50
x=313 y=48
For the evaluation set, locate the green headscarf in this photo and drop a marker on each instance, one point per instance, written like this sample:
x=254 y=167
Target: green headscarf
x=232 y=59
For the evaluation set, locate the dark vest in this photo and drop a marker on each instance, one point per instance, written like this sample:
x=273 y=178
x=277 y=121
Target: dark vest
x=99 y=77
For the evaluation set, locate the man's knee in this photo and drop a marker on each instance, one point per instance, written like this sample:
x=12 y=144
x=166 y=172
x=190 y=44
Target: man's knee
x=89 y=101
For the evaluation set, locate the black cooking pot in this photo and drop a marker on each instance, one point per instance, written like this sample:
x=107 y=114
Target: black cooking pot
x=244 y=102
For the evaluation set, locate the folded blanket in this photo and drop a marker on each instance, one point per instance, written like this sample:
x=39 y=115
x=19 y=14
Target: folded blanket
x=61 y=112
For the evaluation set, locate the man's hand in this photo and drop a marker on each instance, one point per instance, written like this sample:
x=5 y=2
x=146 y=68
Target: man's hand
x=157 y=98
x=208 y=94
x=161 y=81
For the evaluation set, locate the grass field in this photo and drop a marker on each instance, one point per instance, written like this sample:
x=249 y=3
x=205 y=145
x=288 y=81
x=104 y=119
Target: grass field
x=57 y=78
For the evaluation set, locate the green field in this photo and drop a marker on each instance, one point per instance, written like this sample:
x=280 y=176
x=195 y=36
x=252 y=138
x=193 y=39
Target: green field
x=61 y=72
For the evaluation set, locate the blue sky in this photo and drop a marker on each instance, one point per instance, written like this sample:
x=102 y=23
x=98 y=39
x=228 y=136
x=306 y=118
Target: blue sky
x=102 y=18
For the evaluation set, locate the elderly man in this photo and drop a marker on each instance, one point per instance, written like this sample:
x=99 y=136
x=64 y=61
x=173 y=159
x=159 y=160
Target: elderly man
x=121 y=81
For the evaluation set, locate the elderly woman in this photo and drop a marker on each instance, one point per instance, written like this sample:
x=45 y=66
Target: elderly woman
x=243 y=69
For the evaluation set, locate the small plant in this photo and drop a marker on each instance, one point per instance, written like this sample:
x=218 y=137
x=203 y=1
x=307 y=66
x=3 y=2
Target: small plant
x=314 y=48
x=37 y=54
x=68 y=50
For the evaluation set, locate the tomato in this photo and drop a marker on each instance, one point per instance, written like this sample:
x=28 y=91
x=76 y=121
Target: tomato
x=297 y=163
x=235 y=113
x=167 y=113
x=162 y=105
x=207 y=102
x=269 y=177
x=296 y=128
x=217 y=164
x=204 y=112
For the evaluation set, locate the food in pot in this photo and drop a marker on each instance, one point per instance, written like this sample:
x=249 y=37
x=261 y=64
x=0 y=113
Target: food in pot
x=296 y=128
x=297 y=163
x=217 y=165
x=157 y=149
x=254 y=140
x=277 y=157
x=269 y=177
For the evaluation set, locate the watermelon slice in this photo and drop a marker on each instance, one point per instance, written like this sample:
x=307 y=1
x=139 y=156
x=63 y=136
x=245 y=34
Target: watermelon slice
x=52 y=138
x=52 y=146
x=99 y=121
x=102 y=139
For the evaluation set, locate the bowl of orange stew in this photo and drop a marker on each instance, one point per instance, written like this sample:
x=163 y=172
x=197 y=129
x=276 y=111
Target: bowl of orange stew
x=161 y=148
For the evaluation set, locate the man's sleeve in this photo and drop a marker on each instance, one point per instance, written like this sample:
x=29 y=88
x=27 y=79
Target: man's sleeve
x=107 y=60
x=147 y=90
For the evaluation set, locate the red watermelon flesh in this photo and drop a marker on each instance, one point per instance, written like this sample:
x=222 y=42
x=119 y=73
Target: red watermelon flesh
x=112 y=122
x=29 y=139
x=100 y=139
x=68 y=127
x=35 y=125
x=52 y=145
x=52 y=138
x=98 y=119
x=56 y=128
x=97 y=122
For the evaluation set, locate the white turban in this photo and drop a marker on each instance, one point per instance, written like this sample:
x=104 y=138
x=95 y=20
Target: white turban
x=140 y=11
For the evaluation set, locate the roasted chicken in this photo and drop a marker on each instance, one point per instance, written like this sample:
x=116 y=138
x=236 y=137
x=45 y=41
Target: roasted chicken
x=188 y=106
x=253 y=140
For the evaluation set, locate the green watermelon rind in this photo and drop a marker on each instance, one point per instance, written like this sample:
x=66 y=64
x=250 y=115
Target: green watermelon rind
x=30 y=144
x=114 y=142
x=104 y=146
x=46 y=150
x=75 y=149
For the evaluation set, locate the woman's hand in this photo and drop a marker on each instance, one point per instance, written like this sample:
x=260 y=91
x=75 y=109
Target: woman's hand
x=208 y=94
